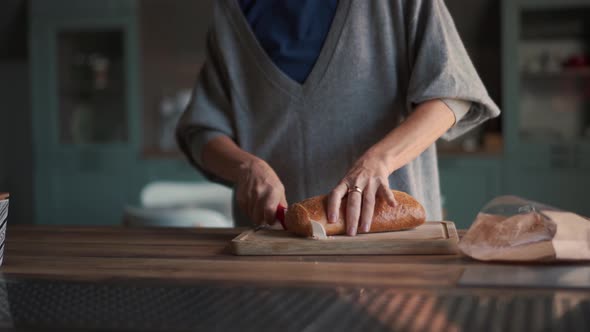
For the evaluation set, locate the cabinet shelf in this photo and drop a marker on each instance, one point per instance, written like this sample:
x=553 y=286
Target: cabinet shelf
x=566 y=74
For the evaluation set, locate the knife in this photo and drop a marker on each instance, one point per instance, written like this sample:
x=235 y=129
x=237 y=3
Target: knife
x=317 y=229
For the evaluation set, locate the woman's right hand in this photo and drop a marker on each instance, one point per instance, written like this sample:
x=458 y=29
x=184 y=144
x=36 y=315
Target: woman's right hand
x=259 y=191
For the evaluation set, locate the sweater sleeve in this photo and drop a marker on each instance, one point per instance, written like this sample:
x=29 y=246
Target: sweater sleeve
x=208 y=114
x=458 y=107
x=440 y=67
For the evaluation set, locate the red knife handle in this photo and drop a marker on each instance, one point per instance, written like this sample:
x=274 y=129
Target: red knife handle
x=280 y=215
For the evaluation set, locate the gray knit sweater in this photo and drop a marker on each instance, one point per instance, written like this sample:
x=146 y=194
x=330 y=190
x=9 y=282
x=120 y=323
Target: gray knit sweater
x=380 y=58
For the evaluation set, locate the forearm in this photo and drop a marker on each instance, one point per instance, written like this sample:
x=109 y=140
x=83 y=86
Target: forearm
x=420 y=130
x=224 y=158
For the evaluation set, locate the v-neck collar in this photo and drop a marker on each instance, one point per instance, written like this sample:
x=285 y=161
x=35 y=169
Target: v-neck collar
x=270 y=69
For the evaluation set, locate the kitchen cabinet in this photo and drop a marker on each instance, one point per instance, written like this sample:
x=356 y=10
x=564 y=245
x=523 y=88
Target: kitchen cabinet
x=547 y=101
x=99 y=70
x=467 y=184
x=96 y=67
x=85 y=108
x=565 y=189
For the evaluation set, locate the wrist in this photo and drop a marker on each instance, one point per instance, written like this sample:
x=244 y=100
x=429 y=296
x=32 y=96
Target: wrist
x=380 y=161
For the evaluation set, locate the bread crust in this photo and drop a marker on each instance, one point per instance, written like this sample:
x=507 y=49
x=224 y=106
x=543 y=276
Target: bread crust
x=407 y=214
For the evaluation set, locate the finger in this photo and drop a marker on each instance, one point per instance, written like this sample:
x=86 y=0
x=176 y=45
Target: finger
x=368 y=207
x=246 y=196
x=387 y=194
x=250 y=196
x=270 y=208
x=251 y=209
x=334 y=202
x=242 y=201
x=283 y=203
x=353 y=212
x=257 y=205
x=258 y=213
x=282 y=197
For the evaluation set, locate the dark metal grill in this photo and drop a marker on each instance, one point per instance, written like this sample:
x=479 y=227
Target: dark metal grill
x=56 y=305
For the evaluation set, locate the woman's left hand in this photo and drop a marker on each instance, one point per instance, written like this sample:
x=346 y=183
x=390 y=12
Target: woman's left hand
x=364 y=182
x=368 y=180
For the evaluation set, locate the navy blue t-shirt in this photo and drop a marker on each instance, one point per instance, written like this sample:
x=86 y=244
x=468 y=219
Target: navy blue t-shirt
x=292 y=32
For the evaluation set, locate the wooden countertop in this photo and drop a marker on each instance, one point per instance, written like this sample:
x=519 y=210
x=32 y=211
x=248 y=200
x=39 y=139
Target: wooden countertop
x=200 y=255
x=95 y=253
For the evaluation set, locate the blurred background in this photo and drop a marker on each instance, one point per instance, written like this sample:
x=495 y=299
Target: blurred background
x=90 y=92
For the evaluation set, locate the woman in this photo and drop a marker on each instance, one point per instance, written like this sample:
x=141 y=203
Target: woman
x=299 y=98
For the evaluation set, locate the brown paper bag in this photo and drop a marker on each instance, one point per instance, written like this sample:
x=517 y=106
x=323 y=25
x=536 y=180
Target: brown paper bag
x=510 y=228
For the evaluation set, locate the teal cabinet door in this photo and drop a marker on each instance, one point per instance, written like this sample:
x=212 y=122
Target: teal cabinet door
x=467 y=184
x=85 y=108
x=562 y=188
x=545 y=123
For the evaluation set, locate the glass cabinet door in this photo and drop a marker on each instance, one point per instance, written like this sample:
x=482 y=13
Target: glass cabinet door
x=91 y=87
x=84 y=95
x=554 y=63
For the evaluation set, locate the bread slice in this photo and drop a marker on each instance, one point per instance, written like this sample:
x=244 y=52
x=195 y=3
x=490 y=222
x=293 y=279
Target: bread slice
x=407 y=214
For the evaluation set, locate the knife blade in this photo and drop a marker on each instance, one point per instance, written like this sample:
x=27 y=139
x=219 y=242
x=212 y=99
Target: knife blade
x=279 y=216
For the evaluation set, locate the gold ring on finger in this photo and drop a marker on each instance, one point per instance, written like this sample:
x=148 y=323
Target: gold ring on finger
x=355 y=189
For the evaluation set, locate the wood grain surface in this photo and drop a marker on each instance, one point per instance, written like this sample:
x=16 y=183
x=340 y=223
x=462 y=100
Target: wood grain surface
x=432 y=238
x=203 y=255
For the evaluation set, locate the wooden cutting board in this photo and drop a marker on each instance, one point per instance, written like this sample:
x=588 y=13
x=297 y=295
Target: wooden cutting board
x=432 y=238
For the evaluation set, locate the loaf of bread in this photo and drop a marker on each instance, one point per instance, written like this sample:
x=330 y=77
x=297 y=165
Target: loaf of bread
x=407 y=214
